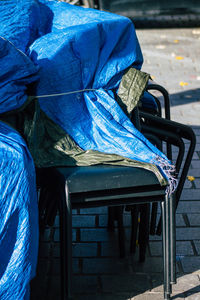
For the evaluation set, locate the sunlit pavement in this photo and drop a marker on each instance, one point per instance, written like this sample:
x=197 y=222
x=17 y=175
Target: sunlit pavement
x=172 y=58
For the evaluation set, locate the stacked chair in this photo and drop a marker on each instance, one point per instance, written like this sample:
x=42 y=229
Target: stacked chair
x=116 y=186
x=163 y=133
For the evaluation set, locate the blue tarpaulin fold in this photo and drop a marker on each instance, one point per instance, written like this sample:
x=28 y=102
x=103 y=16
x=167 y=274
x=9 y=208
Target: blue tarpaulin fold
x=18 y=216
x=18 y=198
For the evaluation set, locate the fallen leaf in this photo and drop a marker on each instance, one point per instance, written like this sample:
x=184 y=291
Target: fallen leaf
x=176 y=41
x=190 y=178
x=179 y=57
x=183 y=83
x=152 y=77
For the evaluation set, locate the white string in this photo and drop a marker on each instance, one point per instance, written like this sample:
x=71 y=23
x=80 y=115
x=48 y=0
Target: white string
x=62 y=94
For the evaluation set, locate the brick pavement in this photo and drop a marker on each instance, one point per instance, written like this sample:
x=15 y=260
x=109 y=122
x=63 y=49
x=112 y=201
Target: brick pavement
x=171 y=56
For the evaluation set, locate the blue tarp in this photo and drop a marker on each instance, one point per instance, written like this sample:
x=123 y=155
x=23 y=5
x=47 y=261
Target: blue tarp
x=89 y=49
x=74 y=49
x=18 y=216
x=18 y=198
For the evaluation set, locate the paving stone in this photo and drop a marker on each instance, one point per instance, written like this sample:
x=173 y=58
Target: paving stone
x=111 y=248
x=78 y=250
x=156 y=248
x=188 y=206
x=84 y=250
x=94 y=210
x=197 y=246
x=57 y=237
x=104 y=296
x=155 y=296
x=55 y=266
x=188 y=233
x=180 y=222
x=197 y=183
x=155 y=237
x=188 y=184
x=56 y=223
x=151 y=265
x=80 y=284
x=135 y=282
x=103 y=220
x=196 y=131
x=191 y=195
x=196 y=154
x=106 y=266
x=195 y=164
x=187 y=283
x=193 y=296
x=194 y=219
x=85 y=284
x=194 y=172
x=97 y=234
x=190 y=264
x=157 y=285
x=182 y=248
x=83 y=221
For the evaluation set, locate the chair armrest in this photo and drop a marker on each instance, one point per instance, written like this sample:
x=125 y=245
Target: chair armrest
x=172 y=132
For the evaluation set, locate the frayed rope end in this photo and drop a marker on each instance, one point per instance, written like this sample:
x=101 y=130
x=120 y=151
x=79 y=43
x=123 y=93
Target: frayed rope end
x=169 y=172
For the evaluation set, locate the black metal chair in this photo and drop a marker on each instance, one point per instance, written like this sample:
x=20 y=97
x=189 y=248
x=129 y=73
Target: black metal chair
x=152 y=106
x=175 y=134
x=159 y=132
x=102 y=185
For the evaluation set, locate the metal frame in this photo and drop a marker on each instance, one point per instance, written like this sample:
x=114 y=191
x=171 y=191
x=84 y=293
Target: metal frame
x=173 y=133
x=69 y=200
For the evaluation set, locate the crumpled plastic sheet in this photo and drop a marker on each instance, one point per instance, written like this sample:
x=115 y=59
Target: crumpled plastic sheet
x=16 y=72
x=18 y=198
x=89 y=49
x=18 y=216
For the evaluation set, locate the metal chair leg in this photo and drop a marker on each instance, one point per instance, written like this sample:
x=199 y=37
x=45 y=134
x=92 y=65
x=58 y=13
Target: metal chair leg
x=153 y=218
x=172 y=203
x=134 y=227
x=111 y=219
x=166 y=247
x=143 y=230
x=121 y=231
x=65 y=244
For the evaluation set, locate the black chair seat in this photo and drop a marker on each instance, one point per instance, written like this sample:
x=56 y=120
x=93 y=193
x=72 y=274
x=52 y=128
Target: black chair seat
x=106 y=185
x=96 y=184
x=100 y=177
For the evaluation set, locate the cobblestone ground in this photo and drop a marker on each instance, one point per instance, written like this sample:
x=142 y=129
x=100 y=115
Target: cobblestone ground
x=172 y=58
